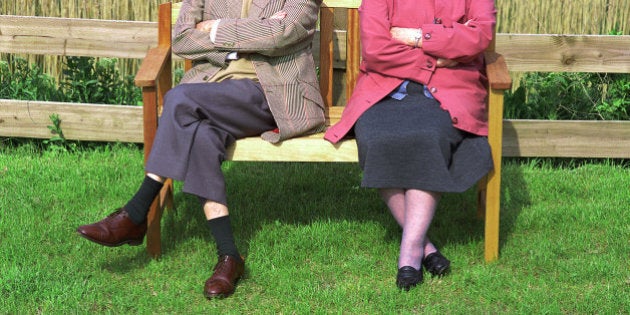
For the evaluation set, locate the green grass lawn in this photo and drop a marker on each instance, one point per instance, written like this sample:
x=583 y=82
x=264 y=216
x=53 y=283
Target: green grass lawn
x=314 y=241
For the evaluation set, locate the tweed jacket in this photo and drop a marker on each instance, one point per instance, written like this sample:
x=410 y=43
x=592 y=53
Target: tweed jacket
x=452 y=29
x=280 y=50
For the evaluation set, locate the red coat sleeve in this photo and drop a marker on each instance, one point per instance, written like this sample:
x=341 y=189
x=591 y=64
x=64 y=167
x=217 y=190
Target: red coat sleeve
x=381 y=53
x=464 y=40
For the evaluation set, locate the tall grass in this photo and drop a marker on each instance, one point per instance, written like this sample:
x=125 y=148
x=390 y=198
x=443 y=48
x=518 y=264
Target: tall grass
x=88 y=9
x=563 y=16
x=515 y=16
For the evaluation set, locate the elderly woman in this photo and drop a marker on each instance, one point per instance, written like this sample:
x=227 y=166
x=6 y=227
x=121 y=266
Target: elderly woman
x=419 y=113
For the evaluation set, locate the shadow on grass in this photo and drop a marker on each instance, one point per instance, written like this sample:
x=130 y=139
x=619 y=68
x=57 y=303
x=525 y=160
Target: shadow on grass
x=261 y=193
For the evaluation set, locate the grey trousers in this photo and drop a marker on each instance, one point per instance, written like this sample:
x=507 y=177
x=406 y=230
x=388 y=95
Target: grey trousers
x=199 y=121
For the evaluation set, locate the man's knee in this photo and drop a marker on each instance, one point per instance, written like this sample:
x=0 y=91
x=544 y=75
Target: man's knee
x=179 y=105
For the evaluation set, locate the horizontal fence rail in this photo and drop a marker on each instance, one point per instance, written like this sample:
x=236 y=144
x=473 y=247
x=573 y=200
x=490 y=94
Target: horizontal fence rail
x=521 y=138
x=76 y=37
x=565 y=53
x=88 y=122
x=128 y=39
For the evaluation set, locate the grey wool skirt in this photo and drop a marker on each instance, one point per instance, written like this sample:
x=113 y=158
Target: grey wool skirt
x=412 y=144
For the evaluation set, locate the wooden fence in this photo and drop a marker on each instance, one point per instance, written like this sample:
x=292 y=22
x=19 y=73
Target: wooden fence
x=125 y=39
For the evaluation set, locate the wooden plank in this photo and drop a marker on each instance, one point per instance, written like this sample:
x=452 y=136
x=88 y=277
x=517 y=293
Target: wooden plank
x=326 y=55
x=89 y=122
x=492 y=197
x=128 y=39
x=154 y=63
x=311 y=148
x=353 y=49
x=76 y=37
x=496 y=69
x=565 y=53
x=548 y=138
x=521 y=138
x=24 y=35
x=305 y=149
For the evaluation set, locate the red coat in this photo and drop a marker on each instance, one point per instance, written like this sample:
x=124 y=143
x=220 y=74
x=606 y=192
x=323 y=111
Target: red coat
x=386 y=63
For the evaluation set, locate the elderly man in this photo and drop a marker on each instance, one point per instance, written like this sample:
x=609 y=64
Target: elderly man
x=253 y=74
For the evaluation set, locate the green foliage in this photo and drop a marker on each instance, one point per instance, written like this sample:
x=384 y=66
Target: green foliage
x=21 y=81
x=178 y=74
x=615 y=32
x=570 y=96
x=84 y=80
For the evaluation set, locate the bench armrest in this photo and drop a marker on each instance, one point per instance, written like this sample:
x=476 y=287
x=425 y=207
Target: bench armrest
x=497 y=71
x=152 y=65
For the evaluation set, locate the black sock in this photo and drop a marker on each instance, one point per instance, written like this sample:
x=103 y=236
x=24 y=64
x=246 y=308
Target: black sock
x=138 y=206
x=221 y=230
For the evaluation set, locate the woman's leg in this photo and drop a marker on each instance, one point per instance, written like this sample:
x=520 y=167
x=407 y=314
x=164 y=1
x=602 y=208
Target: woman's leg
x=419 y=209
x=395 y=200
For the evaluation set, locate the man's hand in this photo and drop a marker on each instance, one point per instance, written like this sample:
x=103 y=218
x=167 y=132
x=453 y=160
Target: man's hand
x=205 y=26
x=278 y=15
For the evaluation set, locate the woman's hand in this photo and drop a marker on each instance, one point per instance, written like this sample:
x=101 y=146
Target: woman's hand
x=409 y=36
x=413 y=37
x=446 y=63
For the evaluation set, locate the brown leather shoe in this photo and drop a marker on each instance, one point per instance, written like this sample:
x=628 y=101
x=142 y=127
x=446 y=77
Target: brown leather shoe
x=115 y=230
x=226 y=272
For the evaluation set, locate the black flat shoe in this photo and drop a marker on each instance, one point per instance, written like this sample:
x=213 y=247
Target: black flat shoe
x=408 y=277
x=436 y=264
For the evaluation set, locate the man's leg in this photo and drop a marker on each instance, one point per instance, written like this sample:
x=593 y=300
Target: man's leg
x=230 y=266
x=126 y=225
x=207 y=118
x=198 y=123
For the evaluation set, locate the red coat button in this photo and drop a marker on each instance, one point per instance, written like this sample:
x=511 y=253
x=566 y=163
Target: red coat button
x=427 y=36
x=454 y=120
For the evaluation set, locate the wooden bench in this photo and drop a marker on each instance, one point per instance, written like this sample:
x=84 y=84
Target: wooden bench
x=155 y=78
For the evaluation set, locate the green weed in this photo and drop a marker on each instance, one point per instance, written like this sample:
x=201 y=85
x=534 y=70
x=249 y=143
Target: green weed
x=84 y=80
x=570 y=96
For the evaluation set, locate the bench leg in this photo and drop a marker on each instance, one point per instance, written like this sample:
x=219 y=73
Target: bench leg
x=492 y=200
x=154 y=246
x=154 y=233
x=493 y=179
